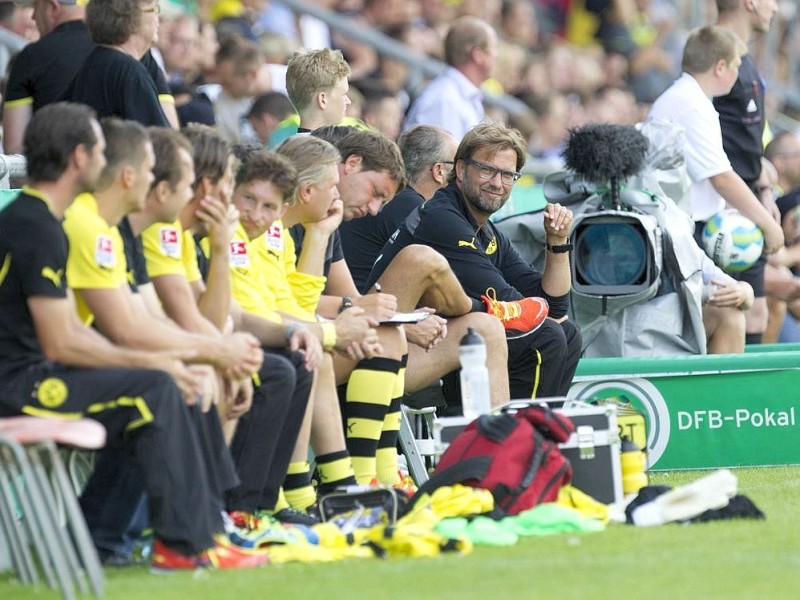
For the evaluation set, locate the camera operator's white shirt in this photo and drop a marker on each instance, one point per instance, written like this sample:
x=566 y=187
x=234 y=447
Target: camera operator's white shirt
x=685 y=104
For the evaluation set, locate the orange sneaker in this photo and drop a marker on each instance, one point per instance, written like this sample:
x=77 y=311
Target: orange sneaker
x=519 y=317
x=406 y=485
x=221 y=556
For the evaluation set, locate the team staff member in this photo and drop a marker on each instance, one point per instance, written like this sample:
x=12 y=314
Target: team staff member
x=542 y=353
x=43 y=70
x=112 y=79
x=53 y=366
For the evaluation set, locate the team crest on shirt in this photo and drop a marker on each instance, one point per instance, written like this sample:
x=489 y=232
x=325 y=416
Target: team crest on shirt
x=274 y=238
x=104 y=252
x=239 y=257
x=170 y=241
x=492 y=247
x=52 y=392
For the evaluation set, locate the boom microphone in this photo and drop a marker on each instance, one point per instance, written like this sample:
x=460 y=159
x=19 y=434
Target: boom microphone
x=603 y=154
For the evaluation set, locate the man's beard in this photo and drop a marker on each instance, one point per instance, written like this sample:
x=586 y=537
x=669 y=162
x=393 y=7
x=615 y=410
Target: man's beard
x=473 y=195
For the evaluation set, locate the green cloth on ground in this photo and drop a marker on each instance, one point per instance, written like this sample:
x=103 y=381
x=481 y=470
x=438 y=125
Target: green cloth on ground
x=480 y=530
x=550 y=518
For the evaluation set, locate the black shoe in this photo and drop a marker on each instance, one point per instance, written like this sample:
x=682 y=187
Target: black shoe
x=292 y=516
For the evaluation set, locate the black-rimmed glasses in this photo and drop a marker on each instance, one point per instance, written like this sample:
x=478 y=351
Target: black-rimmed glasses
x=488 y=172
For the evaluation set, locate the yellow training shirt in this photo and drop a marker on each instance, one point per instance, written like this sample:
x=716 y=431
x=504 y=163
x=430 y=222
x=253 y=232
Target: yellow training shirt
x=96 y=252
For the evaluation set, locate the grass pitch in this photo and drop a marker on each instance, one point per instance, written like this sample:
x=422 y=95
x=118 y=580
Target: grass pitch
x=748 y=560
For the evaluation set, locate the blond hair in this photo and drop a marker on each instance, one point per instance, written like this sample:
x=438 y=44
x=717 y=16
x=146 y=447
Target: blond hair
x=310 y=72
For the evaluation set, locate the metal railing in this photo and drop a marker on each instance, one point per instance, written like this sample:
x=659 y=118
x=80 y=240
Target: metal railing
x=421 y=67
x=12 y=166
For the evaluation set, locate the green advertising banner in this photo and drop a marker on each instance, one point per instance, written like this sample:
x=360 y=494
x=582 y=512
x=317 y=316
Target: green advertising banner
x=707 y=418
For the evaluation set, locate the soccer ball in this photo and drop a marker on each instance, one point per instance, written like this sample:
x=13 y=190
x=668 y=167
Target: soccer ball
x=732 y=241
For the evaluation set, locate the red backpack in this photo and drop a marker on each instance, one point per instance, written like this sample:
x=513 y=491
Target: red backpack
x=514 y=455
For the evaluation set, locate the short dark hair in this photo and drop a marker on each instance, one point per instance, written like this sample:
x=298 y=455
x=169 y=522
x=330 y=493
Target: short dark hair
x=210 y=151
x=113 y=22
x=377 y=152
x=125 y=143
x=167 y=143
x=52 y=135
x=268 y=165
x=272 y=103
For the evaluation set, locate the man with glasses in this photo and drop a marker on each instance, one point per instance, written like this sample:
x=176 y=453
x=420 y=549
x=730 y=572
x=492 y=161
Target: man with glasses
x=112 y=80
x=43 y=70
x=542 y=353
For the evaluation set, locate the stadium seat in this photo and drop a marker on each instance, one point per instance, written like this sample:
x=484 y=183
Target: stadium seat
x=39 y=512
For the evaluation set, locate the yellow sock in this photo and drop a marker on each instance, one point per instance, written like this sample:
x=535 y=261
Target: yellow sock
x=281 y=503
x=297 y=485
x=387 y=445
x=335 y=469
x=370 y=390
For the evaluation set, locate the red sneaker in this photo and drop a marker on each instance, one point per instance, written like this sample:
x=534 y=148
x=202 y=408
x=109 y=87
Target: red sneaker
x=220 y=556
x=519 y=317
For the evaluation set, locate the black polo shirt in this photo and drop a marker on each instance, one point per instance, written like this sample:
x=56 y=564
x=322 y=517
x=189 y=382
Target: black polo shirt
x=115 y=84
x=363 y=238
x=741 y=116
x=33 y=263
x=42 y=71
x=480 y=257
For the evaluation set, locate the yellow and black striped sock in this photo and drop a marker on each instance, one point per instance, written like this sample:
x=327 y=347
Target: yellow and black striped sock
x=370 y=390
x=335 y=469
x=297 y=486
x=387 y=445
x=280 y=504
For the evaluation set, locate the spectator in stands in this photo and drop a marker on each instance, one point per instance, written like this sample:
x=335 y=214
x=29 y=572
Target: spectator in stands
x=317 y=84
x=742 y=120
x=16 y=22
x=53 y=365
x=238 y=69
x=267 y=112
x=542 y=353
x=453 y=100
x=518 y=24
x=381 y=110
x=179 y=46
x=112 y=79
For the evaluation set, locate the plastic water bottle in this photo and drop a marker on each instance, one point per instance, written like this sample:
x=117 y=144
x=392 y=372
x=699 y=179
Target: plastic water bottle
x=475 y=398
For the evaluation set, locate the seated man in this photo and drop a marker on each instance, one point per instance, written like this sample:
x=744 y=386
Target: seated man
x=420 y=275
x=264 y=278
x=96 y=268
x=428 y=157
x=52 y=366
x=542 y=354
x=283 y=384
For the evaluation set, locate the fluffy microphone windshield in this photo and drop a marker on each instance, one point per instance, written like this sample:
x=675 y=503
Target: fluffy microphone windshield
x=600 y=153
